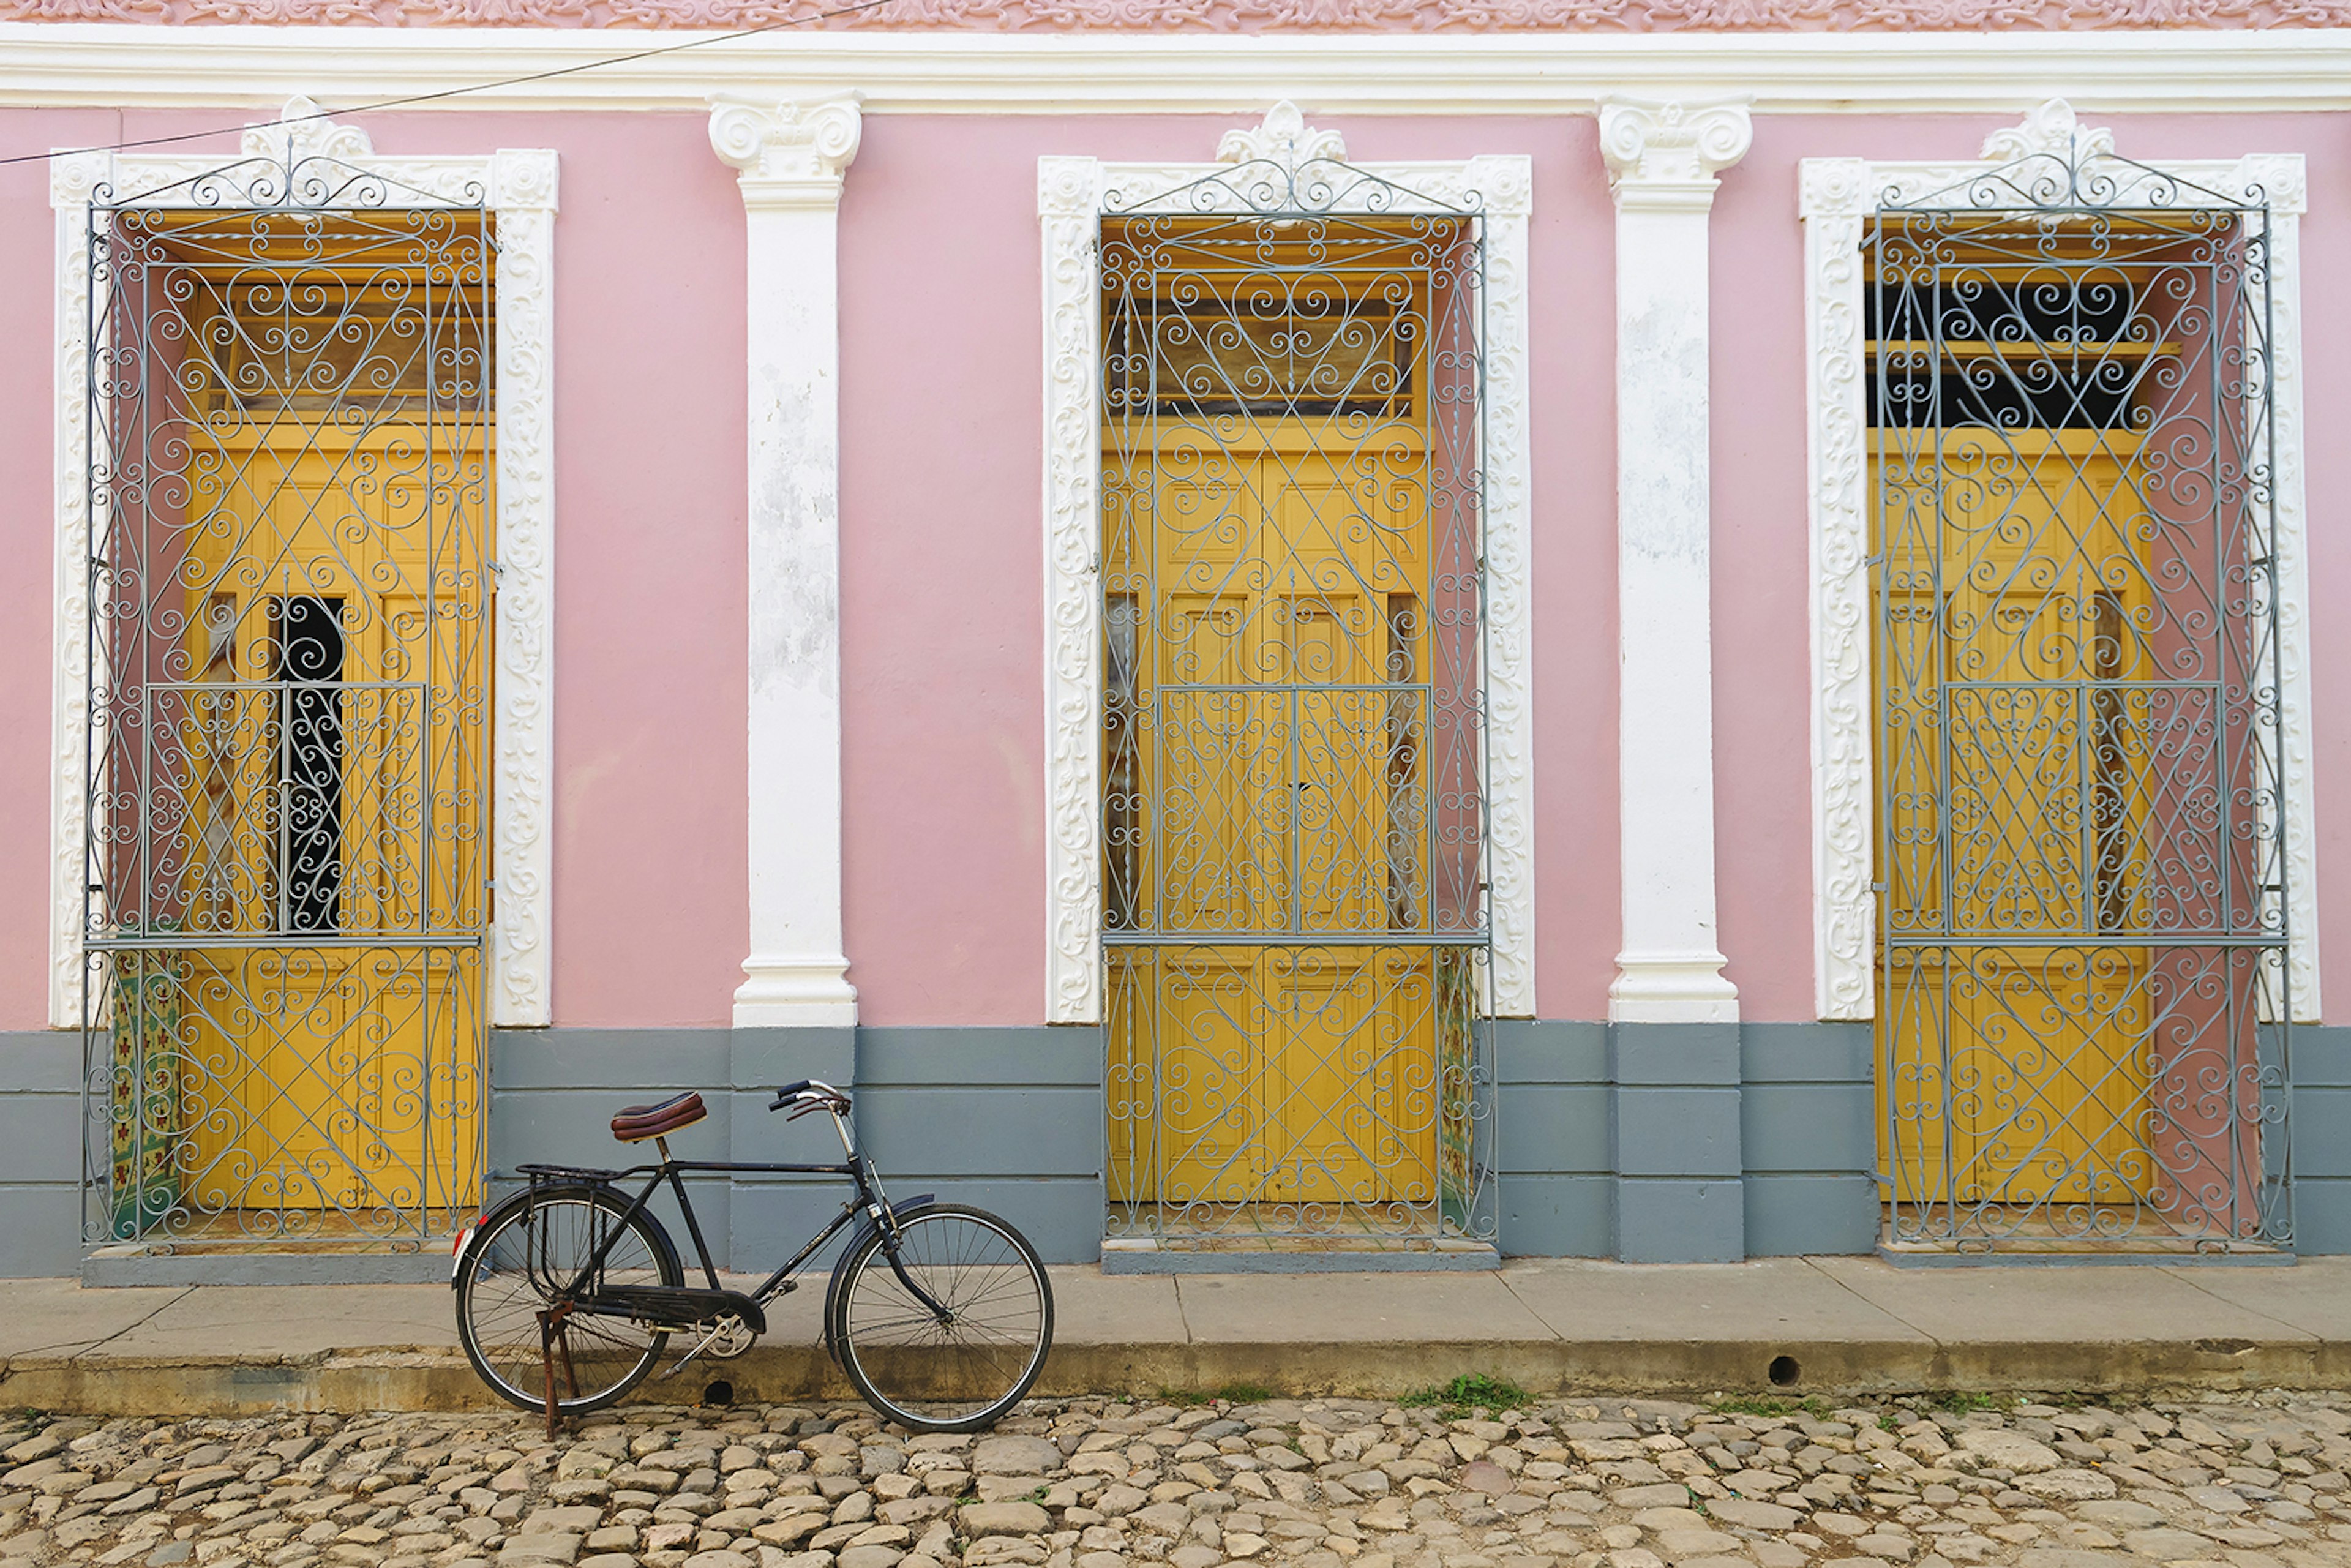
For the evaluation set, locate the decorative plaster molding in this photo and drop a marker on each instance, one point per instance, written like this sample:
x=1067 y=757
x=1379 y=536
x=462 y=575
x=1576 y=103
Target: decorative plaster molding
x=1072 y=194
x=521 y=190
x=1505 y=185
x=1837 y=196
x=2049 y=129
x=1665 y=156
x=1282 y=139
x=788 y=155
x=791 y=158
x=522 y=194
x=1246 y=16
x=111 y=67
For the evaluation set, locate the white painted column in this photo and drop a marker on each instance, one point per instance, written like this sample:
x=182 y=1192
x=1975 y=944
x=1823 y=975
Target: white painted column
x=792 y=158
x=1662 y=159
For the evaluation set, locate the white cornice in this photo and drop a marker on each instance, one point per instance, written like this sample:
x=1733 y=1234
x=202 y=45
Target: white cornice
x=118 y=66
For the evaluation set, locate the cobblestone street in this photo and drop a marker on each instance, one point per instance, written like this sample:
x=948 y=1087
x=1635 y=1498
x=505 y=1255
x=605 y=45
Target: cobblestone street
x=2246 y=1482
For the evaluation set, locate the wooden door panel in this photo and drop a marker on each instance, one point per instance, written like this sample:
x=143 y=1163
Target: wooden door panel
x=1276 y=810
x=2017 y=1073
x=337 y=1077
x=1353 y=1086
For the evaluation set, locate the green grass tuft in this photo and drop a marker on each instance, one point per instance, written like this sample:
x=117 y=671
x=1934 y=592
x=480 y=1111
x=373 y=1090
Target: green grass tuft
x=1961 y=1402
x=1468 y=1391
x=1245 y=1393
x=1814 y=1406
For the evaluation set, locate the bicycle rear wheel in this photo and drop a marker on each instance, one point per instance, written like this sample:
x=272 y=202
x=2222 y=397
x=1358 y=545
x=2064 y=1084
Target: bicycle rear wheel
x=963 y=1372
x=527 y=1252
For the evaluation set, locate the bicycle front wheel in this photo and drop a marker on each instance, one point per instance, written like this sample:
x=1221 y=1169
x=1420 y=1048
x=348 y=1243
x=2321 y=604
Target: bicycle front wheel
x=527 y=1254
x=962 y=1366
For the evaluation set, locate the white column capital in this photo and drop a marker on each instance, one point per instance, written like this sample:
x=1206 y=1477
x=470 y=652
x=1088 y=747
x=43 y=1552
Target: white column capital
x=1663 y=156
x=788 y=154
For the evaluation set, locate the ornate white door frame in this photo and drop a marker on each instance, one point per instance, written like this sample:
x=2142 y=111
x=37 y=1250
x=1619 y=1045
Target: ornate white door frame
x=1072 y=194
x=520 y=189
x=1838 y=196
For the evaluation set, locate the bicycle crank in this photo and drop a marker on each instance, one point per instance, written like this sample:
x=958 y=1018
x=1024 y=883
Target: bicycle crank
x=723 y=1339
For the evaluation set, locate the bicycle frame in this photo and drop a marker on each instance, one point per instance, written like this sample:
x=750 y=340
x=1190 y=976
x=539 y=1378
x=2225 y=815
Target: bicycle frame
x=870 y=1200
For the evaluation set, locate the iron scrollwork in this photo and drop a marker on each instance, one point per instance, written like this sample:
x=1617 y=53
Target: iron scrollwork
x=292 y=428
x=2083 y=1021
x=1294 y=818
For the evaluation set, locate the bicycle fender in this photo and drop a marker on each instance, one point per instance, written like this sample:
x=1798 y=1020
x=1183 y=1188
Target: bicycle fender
x=902 y=1209
x=520 y=1197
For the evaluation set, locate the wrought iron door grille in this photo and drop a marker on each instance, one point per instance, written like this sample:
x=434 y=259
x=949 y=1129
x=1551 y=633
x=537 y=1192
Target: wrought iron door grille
x=2081 y=1034
x=291 y=425
x=1294 y=817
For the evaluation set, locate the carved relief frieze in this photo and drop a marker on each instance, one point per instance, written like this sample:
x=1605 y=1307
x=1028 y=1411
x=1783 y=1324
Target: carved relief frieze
x=1236 y=16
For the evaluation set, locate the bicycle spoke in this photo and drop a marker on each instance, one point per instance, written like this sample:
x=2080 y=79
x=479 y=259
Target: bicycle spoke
x=524 y=1265
x=968 y=1368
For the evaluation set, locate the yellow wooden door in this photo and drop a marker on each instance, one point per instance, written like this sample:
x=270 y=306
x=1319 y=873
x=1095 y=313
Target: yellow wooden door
x=333 y=757
x=2015 y=604
x=1277 y=739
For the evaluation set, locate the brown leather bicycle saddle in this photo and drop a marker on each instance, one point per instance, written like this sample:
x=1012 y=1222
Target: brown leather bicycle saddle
x=637 y=1123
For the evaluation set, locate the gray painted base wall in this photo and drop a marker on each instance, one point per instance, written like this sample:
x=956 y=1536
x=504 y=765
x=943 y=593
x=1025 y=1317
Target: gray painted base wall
x=1669 y=1143
x=40 y=1154
x=1651 y=1142
x=1008 y=1119
x=2320 y=1129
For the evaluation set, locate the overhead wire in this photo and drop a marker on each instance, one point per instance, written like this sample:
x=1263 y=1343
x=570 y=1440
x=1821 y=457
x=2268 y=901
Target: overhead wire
x=445 y=93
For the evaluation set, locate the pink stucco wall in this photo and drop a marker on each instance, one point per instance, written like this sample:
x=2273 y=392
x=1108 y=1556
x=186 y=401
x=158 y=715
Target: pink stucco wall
x=943 y=565
x=27 y=269
x=1762 y=741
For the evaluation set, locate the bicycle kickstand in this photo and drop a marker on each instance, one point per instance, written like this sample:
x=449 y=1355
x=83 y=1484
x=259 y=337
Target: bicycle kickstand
x=553 y=1340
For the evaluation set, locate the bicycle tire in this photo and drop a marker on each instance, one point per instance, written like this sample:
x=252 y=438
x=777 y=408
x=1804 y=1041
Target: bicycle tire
x=508 y=1274
x=958 y=1377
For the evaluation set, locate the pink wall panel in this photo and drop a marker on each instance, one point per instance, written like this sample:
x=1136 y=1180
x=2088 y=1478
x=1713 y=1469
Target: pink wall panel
x=650 y=924
x=942 y=569
x=27 y=273
x=1763 y=596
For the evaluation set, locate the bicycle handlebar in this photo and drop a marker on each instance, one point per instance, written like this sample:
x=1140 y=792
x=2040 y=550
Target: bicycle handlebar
x=790 y=1093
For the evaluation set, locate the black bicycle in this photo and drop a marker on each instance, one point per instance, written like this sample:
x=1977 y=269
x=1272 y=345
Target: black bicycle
x=569 y=1291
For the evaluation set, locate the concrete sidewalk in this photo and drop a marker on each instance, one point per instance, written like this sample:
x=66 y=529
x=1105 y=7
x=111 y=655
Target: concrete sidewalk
x=1795 y=1325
